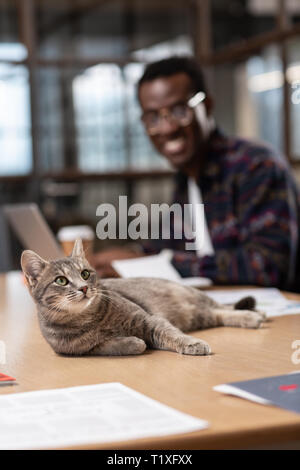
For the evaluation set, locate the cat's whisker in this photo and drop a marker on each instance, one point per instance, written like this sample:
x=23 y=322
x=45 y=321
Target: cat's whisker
x=57 y=307
x=54 y=307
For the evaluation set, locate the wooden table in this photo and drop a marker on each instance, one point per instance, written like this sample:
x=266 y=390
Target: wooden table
x=182 y=382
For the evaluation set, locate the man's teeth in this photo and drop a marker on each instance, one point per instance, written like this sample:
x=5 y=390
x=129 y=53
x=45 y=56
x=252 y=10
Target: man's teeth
x=174 y=145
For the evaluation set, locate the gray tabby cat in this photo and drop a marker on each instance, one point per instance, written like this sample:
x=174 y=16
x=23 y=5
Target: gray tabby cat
x=81 y=314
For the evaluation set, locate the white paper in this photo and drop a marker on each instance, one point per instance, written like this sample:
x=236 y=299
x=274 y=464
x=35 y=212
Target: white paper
x=157 y=266
x=86 y=415
x=195 y=281
x=269 y=300
x=231 y=390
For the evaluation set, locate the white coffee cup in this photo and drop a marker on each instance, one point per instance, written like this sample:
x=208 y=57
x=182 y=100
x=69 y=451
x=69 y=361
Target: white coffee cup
x=68 y=235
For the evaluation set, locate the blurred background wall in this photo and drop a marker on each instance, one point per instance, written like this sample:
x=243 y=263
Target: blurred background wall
x=70 y=132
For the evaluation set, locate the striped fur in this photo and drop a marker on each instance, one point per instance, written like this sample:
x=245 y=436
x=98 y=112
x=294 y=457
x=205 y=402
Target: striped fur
x=122 y=316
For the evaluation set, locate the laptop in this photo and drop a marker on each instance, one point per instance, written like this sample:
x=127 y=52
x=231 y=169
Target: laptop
x=34 y=233
x=32 y=230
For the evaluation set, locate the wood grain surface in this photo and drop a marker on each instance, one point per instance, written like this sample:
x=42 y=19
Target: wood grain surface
x=182 y=382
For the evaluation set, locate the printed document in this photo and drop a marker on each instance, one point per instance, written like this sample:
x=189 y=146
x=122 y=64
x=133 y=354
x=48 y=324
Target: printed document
x=85 y=415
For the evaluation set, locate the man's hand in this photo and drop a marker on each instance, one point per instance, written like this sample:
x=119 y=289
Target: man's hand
x=102 y=261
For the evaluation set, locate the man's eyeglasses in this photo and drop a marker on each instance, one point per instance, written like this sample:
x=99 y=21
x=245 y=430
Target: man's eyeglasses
x=181 y=113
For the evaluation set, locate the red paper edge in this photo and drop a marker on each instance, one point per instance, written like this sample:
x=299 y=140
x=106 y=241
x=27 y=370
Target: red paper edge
x=5 y=378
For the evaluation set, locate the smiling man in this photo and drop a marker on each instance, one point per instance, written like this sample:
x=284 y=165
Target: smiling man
x=251 y=200
x=168 y=116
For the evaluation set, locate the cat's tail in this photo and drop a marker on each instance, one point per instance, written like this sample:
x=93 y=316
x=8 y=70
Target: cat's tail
x=246 y=303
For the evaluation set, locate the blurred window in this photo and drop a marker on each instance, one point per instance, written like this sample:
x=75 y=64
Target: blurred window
x=265 y=87
x=99 y=116
x=109 y=132
x=15 y=120
x=253 y=92
x=15 y=127
x=293 y=77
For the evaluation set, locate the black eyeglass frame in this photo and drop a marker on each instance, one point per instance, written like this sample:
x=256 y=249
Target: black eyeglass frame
x=191 y=103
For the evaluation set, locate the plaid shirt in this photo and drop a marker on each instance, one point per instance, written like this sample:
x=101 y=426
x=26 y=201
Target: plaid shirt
x=251 y=204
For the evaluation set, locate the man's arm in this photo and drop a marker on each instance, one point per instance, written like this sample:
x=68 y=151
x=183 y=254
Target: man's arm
x=102 y=260
x=267 y=234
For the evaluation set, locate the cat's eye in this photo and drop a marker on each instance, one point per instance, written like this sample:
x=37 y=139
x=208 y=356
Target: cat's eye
x=61 y=281
x=85 y=274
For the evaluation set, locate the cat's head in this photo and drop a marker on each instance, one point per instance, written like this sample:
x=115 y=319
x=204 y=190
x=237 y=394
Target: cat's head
x=62 y=287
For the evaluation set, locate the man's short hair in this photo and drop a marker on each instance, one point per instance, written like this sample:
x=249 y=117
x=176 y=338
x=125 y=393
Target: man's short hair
x=171 y=66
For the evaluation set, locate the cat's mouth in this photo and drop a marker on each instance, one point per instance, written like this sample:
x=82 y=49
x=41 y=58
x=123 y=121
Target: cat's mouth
x=85 y=298
x=80 y=303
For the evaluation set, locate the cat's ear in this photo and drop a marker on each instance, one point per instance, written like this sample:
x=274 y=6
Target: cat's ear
x=78 y=249
x=33 y=266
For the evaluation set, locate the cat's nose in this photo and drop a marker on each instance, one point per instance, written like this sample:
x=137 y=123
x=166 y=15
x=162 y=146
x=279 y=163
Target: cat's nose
x=83 y=289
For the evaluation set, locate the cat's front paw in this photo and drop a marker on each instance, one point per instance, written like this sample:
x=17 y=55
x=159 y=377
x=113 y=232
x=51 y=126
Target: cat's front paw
x=194 y=347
